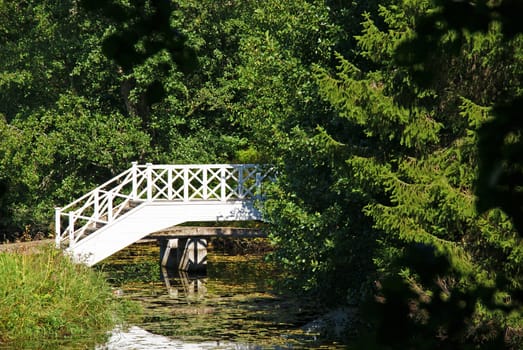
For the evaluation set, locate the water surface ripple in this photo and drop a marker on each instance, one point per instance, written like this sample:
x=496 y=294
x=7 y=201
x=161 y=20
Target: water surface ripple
x=233 y=306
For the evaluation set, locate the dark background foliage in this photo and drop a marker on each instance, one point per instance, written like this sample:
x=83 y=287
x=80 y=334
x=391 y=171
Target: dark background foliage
x=393 y=126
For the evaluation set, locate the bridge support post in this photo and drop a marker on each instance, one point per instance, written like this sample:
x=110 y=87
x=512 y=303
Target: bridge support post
x=184 y=254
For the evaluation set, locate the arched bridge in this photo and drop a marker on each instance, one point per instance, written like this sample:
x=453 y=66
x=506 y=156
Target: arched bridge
x=149 y=198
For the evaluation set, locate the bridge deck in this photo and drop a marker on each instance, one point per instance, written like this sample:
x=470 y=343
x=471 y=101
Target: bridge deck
x=197 y=231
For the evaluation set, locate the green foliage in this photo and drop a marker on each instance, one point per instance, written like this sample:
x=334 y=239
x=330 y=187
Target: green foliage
x=71 y=118
x=276 y=102
x=415 y=161
x=44 y=48
x=51 y=156
x=63 y=125
x=425 y=305
x=501 y=163
x=46 y=296
x=371 y=112
x=144 y=30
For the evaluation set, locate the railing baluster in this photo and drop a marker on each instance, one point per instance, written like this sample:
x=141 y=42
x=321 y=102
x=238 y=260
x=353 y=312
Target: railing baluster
x=109 y=206
x=96 y=204
x=186 y=184
x=223 y=182
x=57 y=226
x=134 y=170
x=257 y=189
x=149 y=181
x=240 y=181
x=71 y=229
x=204 y=183
x=170 y=184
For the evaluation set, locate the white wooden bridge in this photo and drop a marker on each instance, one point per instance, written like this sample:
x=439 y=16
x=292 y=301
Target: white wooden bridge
x=149 y=198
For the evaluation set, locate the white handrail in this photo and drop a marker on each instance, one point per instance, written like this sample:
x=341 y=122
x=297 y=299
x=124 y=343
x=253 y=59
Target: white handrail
x=150 y=182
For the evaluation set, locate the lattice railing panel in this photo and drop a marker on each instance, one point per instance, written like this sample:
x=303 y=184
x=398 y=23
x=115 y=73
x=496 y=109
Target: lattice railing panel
x=142 y=183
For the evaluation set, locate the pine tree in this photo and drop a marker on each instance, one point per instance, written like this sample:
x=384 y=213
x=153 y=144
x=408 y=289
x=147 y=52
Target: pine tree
x=413 y=155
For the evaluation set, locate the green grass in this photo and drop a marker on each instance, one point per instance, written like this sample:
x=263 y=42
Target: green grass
x=45 y=297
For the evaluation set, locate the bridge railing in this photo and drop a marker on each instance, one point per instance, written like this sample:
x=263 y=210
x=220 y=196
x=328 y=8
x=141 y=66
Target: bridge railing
x=149 y=182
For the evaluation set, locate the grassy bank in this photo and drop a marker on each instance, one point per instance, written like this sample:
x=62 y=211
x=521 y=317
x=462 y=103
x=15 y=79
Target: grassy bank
x=43 y=296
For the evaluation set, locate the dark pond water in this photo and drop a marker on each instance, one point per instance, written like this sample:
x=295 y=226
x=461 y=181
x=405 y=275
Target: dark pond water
x=232 y=307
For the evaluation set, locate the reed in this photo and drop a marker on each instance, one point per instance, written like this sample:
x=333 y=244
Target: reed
x=44 y=296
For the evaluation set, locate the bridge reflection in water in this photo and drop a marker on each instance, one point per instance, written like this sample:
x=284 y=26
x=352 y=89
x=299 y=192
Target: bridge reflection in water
x=232 y=306
x=181 y=284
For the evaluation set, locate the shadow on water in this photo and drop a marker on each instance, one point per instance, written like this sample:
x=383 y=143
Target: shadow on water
x=232 y=306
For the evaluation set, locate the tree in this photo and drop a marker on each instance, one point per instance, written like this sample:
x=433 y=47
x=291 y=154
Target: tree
x=62 y=119
x=313 y=222
x=415 y=159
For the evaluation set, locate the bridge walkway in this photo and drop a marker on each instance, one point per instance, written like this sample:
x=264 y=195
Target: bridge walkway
x=150 y=198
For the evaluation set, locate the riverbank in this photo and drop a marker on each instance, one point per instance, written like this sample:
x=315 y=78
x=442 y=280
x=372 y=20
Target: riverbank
x=25 y=247
x=47 y=299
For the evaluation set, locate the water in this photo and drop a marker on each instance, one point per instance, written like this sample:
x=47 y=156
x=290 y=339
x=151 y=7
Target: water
x=231 y=307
